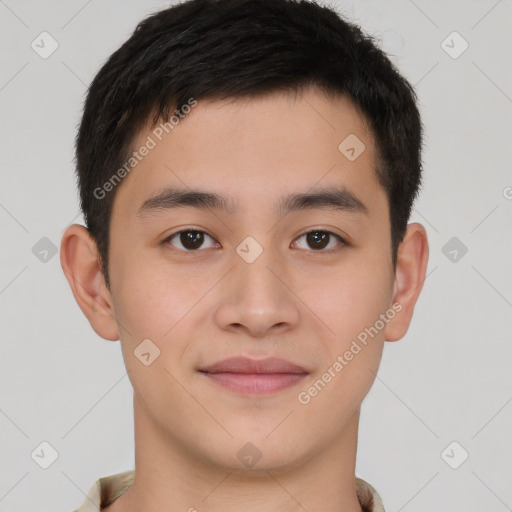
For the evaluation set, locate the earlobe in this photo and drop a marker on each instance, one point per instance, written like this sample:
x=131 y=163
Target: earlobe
x=410 y=275
x=80 y=263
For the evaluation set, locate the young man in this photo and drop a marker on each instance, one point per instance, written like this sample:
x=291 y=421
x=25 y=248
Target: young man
x=247 y=171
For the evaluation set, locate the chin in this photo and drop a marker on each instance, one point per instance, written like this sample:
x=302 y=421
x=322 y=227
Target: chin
x=253 y=450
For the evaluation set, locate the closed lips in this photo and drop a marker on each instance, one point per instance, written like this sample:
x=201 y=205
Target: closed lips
x=244 y=365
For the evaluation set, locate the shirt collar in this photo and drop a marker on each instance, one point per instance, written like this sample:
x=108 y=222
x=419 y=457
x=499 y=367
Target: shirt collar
x=107 y=489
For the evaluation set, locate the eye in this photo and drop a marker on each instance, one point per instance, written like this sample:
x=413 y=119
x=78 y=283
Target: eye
x=189 y=239
x=319 y=239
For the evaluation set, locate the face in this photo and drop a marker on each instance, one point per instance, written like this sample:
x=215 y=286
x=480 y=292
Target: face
x=255 y=277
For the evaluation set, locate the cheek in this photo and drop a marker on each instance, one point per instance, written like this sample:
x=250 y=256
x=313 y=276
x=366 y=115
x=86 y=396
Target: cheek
x=148 y=300
x=349 y=300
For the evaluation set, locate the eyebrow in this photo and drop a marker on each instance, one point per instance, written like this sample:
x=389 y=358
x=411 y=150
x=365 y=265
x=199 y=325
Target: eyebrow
x=331 y=198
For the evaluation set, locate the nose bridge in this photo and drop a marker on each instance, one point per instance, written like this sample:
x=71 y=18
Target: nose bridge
x=255 y=270
x=257 y=300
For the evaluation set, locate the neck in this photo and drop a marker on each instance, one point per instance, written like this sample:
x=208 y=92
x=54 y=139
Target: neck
x=166 y=474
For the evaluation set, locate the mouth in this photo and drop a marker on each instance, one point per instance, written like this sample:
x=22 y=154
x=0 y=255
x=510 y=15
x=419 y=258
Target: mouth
x=255 y=377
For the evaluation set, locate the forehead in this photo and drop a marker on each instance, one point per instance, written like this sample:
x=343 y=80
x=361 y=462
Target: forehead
x=255 y=149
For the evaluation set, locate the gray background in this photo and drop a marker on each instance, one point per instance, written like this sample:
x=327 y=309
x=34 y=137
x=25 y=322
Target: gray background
x=447 y=380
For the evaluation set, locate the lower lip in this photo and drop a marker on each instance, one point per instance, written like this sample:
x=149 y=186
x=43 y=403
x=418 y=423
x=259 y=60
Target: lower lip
x=256 y=384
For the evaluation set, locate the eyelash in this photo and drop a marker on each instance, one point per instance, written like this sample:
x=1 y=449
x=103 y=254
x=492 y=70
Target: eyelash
x=341 y=241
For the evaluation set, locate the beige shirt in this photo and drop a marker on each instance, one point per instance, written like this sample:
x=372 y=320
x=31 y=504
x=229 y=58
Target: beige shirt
x=107 y=489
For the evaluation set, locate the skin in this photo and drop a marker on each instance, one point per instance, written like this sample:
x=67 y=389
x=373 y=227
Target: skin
x=293 y=302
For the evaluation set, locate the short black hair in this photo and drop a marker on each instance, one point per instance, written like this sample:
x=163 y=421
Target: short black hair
x=242 y=48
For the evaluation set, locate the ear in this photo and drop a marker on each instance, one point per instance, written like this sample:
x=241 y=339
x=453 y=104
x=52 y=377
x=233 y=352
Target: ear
x=411 y=268
x=79 y=259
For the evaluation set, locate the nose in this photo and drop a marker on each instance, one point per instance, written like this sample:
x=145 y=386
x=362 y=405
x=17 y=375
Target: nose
x=258 y=298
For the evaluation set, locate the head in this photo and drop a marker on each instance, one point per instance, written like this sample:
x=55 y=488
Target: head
x=254 y=101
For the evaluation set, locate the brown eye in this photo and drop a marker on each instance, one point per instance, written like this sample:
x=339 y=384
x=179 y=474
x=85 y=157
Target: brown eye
x=188 y=239
x=318 y=239
x=191 y=239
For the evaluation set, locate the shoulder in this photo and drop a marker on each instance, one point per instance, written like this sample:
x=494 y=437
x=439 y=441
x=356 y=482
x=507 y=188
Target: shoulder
x=105 y=490
x=368 y=497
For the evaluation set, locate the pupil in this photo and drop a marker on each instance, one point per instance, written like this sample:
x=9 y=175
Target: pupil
x=191 y=239
x=318 y=239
